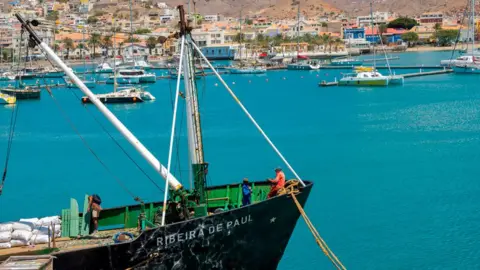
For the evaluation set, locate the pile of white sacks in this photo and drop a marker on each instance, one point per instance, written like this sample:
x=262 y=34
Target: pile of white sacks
x=29 y=231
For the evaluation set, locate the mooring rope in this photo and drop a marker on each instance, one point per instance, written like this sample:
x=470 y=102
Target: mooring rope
x=292 y=189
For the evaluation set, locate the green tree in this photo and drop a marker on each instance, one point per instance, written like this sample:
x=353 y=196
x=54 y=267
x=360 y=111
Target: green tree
x=403 y=22
x=107 y=43
x=92 y=20
x=142 y=31
x=94 y=41
x=162 y=39
x=240 y=37
x=337 y=43
x=260 y=37
x=151 y=43
x=248 y=21
x=325 y=25
x=410 y=37
x=437 y=26
x=445 y=37
x=68 y=45
x=132 y=39
x=120 y=48
x=325 y=40
x=382 y=29
x=52 y=16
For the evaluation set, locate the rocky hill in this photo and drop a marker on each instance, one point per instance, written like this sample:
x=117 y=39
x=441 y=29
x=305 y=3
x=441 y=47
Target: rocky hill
x=401 y=7
x=280 y=9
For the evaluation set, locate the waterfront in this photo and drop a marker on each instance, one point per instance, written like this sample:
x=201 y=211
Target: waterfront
x=395 y=168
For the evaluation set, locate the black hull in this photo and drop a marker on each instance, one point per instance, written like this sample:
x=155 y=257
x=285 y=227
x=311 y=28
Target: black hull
x=23 y=94
x=117 y=100
x=253 y=237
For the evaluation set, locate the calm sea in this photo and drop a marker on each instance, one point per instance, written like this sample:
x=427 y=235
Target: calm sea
x=396 y=169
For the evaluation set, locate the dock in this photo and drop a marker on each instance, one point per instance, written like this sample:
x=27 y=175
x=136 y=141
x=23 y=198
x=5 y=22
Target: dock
x=408 y=75
x=381 y=59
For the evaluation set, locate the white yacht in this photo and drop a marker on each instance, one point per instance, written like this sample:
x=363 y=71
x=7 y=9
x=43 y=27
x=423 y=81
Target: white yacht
x=104 y=68
x=133 y=76
x=462 y=60
x=123 y=95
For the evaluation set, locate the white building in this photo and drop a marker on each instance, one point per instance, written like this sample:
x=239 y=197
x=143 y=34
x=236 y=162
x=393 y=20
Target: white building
x=211 y=18
x=378 y=18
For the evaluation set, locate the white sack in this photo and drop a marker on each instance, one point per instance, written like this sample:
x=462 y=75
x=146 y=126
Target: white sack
x=39 y=239
x=19 y=243
x=49 y=220
x=6 y=227
x=22 y=235
x=31 y=220
x=5 y=237
x=44 y=230
x=5 y=245
x=23 y=226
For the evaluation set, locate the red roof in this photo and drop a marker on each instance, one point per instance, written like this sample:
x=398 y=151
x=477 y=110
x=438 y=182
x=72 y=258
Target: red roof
x=390 y=31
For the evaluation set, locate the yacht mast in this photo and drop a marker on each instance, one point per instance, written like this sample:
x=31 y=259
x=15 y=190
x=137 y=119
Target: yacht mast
x=298 y=28
x=371 y=27
x=195 y=142
x=114 y=56
x=473 y=27
x=147 y=155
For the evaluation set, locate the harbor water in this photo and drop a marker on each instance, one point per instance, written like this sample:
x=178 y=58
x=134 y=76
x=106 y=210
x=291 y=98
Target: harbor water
x=395 y=168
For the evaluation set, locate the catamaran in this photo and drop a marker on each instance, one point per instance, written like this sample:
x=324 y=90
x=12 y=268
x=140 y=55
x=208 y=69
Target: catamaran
x=132 y=76
x=198 y=228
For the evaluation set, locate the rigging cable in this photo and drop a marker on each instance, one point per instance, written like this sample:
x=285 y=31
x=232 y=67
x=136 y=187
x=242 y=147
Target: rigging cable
x=109 y=134
x=172 y=135
x=458 y=35
x=11 y=133
x=74 y=128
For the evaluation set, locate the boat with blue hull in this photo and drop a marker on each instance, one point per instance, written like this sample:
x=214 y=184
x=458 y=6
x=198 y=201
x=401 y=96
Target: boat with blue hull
x=466 y=68
x=304 y=66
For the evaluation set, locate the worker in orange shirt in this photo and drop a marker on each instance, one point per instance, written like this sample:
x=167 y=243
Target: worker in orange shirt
x=277 y=183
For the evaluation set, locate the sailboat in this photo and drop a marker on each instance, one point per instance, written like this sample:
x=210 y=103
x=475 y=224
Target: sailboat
x=370 y=75
x=243 y=67
x=89 y=83
x=199 y=228
x=127 y=94
x=301 y=65
x=20 y=90
x=472 y=63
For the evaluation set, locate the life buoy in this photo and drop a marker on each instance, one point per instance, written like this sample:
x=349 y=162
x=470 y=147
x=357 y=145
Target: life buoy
x=134 y=99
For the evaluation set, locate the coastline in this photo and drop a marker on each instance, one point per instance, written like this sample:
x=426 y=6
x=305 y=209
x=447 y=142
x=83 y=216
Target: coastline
x=437 y=49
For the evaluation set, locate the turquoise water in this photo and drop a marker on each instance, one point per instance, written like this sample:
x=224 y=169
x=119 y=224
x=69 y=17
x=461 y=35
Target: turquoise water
x=396 y=168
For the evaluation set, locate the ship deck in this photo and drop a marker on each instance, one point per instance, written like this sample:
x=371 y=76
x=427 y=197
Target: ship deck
x=125 y=219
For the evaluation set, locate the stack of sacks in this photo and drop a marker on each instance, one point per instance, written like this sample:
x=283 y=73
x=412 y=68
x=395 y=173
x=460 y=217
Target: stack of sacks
x=22 y=232
x=5 y=235
x=40 y=233
x=29 y=231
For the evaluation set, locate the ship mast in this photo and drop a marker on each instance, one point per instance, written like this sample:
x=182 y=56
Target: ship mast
x=298 y=28
x=195 y=141
x=146 y=154
x=473 y=27
x=371 y=27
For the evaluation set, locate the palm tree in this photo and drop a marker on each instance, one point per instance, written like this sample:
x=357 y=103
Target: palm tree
x=93 y=41
x=325 y=41
x=107 y=43
x=68 y=44
x=325 y=25
x=338 y=42
x=151 y=43
x=382 y=29
x=120 y=48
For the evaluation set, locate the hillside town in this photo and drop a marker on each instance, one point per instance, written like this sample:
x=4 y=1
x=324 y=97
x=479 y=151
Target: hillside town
x=85 y=28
